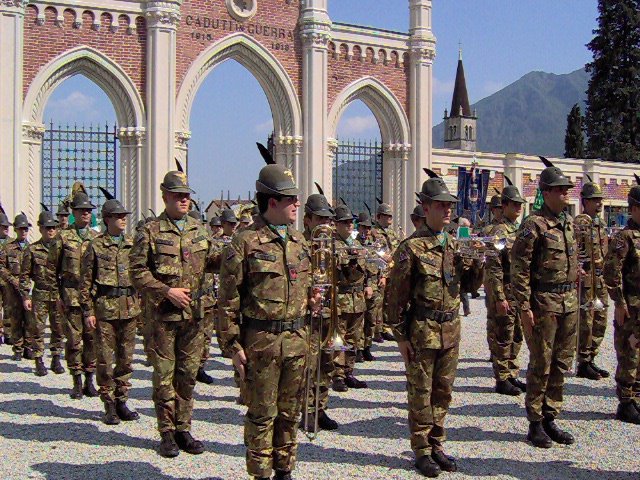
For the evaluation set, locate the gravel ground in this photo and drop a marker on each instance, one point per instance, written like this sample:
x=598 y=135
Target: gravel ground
x=46 y=435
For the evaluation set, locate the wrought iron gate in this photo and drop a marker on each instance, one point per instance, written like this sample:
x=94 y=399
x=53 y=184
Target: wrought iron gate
x=357 y=174
x=88 y=154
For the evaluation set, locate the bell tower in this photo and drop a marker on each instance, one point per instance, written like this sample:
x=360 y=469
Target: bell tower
x=460 y=123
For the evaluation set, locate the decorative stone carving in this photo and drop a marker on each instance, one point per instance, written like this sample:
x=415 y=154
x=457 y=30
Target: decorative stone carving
x=162 y=14
x=132 y=135
x=32 y=133
x=182 y=138
x=242 y=10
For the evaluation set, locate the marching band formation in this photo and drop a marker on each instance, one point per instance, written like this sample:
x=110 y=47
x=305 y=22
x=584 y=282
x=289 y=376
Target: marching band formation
x=295 y=312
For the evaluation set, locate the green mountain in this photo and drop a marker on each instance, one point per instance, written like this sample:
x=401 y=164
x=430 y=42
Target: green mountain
x=528 y=116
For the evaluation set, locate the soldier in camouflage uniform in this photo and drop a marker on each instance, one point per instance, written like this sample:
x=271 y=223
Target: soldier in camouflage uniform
x=592 y=241
x=21 y=333
x=421 y=304
x=110 y=307
x=622 y=277
x=215 y=226
x=168 y=263
x=544 y=272
x=382 y=231
x=504 y=331
x=66 y=255
x=42 y=302
x=265 y=280
x=5 y=326
x=376 y=281
x=352 y=294
x=63 y=216
x=417 y=217
x=319 y=212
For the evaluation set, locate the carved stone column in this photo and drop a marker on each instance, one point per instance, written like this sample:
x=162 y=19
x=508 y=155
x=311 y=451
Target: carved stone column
x=11 y=64
x=162 y=20
x=394 y=178
x=28 y=196
x=132 y=141
x=332 y=151
x=287 y=151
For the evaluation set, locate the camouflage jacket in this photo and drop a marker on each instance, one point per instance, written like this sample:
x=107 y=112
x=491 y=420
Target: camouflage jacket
x=351 y=276
x=374 y=272
x=389 y=235
x=263 y=278
x=622 y=266
x=164 y=257
x=105 y=264
x=211 y=277
x=13 y=261
x=544 y=254
x=3 y=244
x=425 y=277
x=591 y=237
x=485 y=230
x=497 y=269
x=66 y=254
x=37 y=267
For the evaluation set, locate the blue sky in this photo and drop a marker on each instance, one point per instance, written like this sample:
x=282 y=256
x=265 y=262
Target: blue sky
x=501 y=40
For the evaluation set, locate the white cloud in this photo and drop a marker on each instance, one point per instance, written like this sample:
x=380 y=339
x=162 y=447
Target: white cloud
x=264 y=127
x=76 y=100
x=357 y=125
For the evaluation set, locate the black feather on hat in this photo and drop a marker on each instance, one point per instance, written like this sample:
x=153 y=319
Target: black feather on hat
x=106 y=194
x=320 y=191
x=343 y=202
x=179 y=166
x=418 y=197
x=195 y=205
x=508 y=180
x=266 y=155
x=44 y=207
x=589 y=177
x=2 y=210
x=430 y=172
x=368 y=208
x=153 y=213
x=379 y=200
x=546 y=162
x=497 y=191
x=637 y=178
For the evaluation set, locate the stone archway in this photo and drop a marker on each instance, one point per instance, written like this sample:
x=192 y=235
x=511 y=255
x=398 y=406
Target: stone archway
x=395 y=132
x=130 y=114
x=272 y=77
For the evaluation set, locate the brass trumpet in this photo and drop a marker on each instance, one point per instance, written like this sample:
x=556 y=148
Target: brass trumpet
x=479 y=248
x=324 y=279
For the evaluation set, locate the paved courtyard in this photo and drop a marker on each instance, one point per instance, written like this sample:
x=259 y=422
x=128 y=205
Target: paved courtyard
x=46 y=435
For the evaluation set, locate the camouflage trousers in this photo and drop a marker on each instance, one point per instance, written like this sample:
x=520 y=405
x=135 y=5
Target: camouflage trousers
x=552 y=345
x=43 y=310
x=372 y=317
x=350 y=326
x=326 y=374
x=628 y=369
x=276 y=366
x=177 y=350
x=6 y=318
x=592 y=327
x=20 y=328
x=80 y=348
x=430 y=378
x=208 y=326
x=147 y=333
x=115 y=343
x=504 y=336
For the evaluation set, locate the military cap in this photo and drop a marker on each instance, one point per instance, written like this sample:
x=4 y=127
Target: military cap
x=63 y=211
x=195 y=214
x=418 y=212
x=215 y=221
x=81 y=201
x=634 y=195
x=112 y=206
x=228 y=216
x=511 y=193
x=21 y=221
x=591 y=189
x=343 y=213
x=141 y=223
x=318 y=204
x=435 y=189
x=364 y=219
x=47 y=219
x=552 y=176
x=496 y=202
x=4 y=220
x=175 y=181
x=384 y=209
x=276 y=180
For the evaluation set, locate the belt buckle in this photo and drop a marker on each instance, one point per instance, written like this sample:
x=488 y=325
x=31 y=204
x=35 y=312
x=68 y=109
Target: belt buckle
x=279 y=328
x=438 y=316
x=448 y=316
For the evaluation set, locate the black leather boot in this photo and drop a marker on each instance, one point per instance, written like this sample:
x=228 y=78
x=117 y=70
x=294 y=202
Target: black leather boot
x=189 y=444
x=89 y=389
x=585 y=371
x=366 y=354
x=516 y=382
x=56 y=366
x=428 y=467
x=444 y=461
x=359 y=357
x=76 y=392
x=556 y=433
x=27 y=354
x=601 y=371
x=124 y=413
x=204 y=377
x=628 y=413
x=339 y=385
x=168 y=446
x=353 y=382
x=325 y=422
x=537 y=436
x=17 y=356
x=110 y=417
x=505 y=387
x=280 y=475
x=41 y=370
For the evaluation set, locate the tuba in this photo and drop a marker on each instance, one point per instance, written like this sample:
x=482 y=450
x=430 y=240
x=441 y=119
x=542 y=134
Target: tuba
x=324 y=275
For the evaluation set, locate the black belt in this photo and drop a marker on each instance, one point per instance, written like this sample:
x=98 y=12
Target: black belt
x=350 y=288
x=437 y=316
x=115 y=292
x=274 y=326
x=68 y=283
x=555 y=287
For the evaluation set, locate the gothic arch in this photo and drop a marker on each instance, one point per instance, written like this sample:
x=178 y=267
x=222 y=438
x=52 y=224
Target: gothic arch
x=130 y=114
x=272 y=76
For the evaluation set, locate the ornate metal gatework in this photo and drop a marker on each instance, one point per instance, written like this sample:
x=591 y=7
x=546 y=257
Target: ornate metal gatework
x=357 y=174
x=88 y=154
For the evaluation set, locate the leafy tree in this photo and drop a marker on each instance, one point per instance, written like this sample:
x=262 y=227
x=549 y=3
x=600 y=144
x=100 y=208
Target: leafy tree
x=574 y=136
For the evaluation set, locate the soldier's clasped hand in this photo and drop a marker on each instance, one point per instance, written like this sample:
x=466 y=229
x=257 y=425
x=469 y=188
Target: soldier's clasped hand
x=179 y=297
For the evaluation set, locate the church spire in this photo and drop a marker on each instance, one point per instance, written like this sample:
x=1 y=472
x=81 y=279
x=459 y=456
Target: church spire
x=460 y=95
